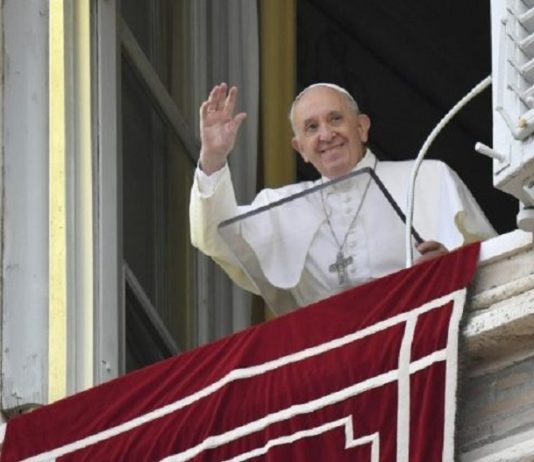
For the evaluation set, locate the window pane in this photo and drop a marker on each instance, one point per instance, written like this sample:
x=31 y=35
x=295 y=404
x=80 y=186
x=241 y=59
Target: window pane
x=157 y=178
x=140 y=167
x=137 y=15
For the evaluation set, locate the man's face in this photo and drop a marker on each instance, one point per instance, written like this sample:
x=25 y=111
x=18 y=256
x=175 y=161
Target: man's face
x=329 y=134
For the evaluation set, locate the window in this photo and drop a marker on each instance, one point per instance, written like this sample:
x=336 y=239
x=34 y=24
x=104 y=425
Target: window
x=157 y=170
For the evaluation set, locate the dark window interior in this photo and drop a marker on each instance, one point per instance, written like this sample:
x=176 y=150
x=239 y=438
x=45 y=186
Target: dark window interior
x=407 y=63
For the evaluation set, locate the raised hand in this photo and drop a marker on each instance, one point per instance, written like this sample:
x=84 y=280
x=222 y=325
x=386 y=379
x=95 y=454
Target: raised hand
x=218 y=127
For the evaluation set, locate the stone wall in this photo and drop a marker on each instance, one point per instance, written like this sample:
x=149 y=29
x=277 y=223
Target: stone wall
x=496 y=381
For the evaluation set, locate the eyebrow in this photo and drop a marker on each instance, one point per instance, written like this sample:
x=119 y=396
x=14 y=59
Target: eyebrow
x=329 y=114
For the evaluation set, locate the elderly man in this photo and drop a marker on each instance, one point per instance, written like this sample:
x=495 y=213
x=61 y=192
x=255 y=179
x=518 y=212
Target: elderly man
x=299 y=267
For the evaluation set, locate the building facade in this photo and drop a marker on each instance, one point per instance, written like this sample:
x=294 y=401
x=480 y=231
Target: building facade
x=100 y=141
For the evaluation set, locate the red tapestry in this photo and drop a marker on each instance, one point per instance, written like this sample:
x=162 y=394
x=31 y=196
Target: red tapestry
x=367 y=375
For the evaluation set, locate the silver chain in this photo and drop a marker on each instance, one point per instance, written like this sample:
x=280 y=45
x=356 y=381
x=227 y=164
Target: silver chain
x=340 y=246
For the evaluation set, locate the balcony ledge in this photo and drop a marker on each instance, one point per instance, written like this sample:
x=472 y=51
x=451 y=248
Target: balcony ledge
x=496 y=387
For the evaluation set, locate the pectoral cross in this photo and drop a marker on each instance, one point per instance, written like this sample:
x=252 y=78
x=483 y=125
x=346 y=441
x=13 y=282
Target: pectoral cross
x=340 y=266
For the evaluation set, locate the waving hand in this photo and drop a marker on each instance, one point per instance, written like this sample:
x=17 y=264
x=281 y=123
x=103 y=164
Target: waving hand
x=218 y=127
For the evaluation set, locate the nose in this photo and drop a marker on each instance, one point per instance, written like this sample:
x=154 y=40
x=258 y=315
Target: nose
x=326 y=133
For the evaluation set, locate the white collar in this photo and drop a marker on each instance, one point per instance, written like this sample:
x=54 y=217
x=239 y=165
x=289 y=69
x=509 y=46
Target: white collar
x=367 y=161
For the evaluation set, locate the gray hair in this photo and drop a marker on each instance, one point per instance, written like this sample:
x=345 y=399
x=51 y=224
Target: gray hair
x=353 y=105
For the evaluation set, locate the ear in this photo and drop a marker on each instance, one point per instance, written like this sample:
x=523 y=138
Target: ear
x=296 y=146
x=364 y=124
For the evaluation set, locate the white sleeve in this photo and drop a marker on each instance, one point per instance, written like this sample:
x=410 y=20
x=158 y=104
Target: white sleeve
x=471 y=220
x=446 y=209
x=213 y=201
x=207 y=183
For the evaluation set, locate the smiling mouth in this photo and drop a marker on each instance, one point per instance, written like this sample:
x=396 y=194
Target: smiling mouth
x=331 y=148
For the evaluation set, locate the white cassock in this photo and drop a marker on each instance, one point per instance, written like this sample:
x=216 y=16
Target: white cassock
x=287 y=253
